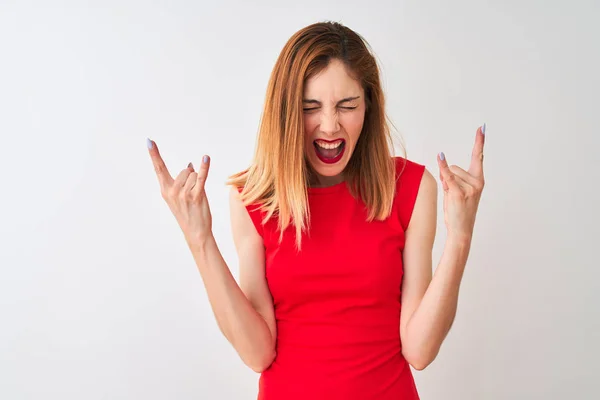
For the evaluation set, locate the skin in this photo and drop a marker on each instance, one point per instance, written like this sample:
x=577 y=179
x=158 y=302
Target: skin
x=244 y=312
x=334 y=108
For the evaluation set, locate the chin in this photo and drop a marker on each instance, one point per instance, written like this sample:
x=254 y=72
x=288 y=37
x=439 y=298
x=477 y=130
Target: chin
x=326 y=171
x=329 y=171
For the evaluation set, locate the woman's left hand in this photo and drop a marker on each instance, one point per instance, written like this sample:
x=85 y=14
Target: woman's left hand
x=462 y=191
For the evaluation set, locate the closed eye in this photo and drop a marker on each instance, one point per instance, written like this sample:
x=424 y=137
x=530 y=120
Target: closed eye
x=316 y=108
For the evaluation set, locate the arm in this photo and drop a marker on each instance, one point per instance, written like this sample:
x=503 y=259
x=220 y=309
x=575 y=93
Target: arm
x=428 y=305
x=245 y=316
x=244 y=313
x=431 y=303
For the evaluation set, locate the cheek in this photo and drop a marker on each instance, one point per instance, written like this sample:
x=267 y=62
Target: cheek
x=353 y=124
x=310 y=124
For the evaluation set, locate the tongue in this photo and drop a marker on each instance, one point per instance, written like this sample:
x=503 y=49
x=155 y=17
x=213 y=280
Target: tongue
x=328 y=153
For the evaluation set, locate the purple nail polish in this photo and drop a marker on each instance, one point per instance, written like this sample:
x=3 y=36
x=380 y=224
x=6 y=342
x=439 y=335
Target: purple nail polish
x=149 y=143
x=205 y=159
x=483 y=128
x=442 y=156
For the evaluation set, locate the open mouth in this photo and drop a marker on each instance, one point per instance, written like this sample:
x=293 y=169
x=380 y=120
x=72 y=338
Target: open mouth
x=329 y=151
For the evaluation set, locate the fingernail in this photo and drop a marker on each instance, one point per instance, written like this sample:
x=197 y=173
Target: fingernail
x=205 y=159
x=442 y=156
x=190 y=165
x=483 y=129
x=149 y=143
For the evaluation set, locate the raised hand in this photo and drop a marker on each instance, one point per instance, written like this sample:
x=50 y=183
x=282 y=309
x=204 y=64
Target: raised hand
x=185 y=195
x=462 y=191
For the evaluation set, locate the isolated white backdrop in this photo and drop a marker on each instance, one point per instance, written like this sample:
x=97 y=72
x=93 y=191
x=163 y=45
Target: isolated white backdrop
x=99 y=295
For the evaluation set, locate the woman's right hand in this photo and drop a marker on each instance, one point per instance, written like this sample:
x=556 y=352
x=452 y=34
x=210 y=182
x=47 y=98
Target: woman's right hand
x=185 y=195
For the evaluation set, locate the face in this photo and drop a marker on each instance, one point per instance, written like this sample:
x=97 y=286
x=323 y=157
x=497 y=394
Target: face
x=334 y=112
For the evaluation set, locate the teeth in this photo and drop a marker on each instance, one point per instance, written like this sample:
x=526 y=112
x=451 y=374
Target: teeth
x=330 y=146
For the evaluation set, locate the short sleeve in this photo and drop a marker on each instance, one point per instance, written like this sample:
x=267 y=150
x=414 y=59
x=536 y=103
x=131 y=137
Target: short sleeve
x=409 y=175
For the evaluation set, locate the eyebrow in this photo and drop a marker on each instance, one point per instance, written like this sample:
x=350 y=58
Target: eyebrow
x=313 y=101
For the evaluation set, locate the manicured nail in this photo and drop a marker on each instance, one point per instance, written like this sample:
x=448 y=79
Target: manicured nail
x=442 y=156
x=483 y=129
x=205 y=159
x=190 y=165
x=149 y=143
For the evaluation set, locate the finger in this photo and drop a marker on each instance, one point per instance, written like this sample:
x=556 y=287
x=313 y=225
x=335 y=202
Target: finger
x=444 y=184
x=464 y=185
x=202 y=175
x=440 y=158
x=191 y=179
x=464 y=175
x=448 y=177
x=476 y=167
x=164 y=177
x=190 y=182
x=183 y=176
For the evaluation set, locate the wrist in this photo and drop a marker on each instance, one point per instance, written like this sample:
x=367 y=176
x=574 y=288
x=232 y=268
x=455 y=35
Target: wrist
x=459 y=238
x=200 y=243
x=456 y=253
x=459 y=242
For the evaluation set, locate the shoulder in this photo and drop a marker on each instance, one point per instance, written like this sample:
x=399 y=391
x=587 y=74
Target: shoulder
x=414 y=174
x=245 y=219
x=237 y=209
x=410 y=174
x=235 y=198
x=405 y=165
x=415 y=187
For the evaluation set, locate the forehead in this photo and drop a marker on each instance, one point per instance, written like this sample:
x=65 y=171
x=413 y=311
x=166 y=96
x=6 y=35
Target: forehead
x=333 y=83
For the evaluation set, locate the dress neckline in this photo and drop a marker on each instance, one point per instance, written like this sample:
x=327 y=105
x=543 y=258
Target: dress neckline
x=327 y=189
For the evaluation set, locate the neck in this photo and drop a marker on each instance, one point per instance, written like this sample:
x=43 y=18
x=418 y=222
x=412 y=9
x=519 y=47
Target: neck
x=325 y=181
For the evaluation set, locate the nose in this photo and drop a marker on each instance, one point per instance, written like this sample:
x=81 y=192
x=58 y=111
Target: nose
x=329 y=122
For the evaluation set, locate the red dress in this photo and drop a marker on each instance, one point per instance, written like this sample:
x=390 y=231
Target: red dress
x=337 y=302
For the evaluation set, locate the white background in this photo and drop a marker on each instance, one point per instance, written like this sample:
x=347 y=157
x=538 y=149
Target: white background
x=99 y=295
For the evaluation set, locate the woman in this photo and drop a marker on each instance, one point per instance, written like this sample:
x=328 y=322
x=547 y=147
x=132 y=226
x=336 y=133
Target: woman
x=334 y=235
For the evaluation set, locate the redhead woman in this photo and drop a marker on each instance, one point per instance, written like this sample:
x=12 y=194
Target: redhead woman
x=336 y=298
